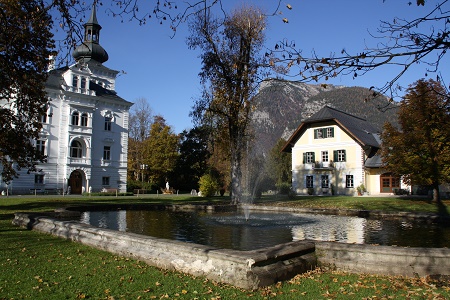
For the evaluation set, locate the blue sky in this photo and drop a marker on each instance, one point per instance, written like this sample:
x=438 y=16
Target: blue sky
x=165 y=72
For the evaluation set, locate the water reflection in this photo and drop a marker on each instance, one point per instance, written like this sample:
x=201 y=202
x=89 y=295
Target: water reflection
x=264 y=229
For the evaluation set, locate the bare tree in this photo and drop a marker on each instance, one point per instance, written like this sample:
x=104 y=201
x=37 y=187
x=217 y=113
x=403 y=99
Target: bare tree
x=231 y=63
x=141 y=119
x=401 y=43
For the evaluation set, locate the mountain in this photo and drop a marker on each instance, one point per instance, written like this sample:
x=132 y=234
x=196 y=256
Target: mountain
x=281 y=106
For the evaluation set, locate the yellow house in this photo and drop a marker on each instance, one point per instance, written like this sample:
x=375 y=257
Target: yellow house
x=334 y=152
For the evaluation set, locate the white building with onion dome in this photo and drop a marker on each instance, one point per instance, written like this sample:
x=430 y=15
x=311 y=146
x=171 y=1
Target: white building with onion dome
x=85 y=131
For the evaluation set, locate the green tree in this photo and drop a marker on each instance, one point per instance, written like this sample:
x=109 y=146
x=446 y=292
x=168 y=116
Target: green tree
x=193 y=157
x=161 y=151
x=280 y=164
x=25 y=47
x=420 y=150
x=209 y=185
x=230 y=58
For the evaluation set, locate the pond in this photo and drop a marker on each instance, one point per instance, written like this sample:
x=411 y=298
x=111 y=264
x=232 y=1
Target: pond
x=232 y=230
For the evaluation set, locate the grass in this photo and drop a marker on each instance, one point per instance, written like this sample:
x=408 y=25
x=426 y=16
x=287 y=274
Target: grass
x=394 y=204
x=39 y=266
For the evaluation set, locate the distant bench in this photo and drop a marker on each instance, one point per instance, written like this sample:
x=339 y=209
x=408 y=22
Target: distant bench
x=105 y=190
x=46 y=191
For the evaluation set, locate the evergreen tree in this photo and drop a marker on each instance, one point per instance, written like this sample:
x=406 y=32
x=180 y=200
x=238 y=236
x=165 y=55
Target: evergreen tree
x=192 y=162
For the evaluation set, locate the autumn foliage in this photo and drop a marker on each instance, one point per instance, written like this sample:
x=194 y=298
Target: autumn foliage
x=419 y=150
x=25 y=46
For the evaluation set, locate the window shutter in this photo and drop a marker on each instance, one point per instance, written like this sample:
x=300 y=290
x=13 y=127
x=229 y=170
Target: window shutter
x=332 y=132
x=335 y=155
x=345 y=156
x=304 y=157
x=313 y=157
x=324 y=133
x=315 y=133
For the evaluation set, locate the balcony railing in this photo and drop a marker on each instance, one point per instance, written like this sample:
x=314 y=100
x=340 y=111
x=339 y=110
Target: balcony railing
x=78 y=161
x=323 y=165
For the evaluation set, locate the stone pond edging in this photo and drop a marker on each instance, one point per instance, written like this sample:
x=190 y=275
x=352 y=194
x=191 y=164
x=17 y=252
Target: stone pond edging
x=252 y=269
x=244 y=269
x=384 y=260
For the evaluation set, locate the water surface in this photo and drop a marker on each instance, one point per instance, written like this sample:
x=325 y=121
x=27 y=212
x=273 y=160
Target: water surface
x=232 y=230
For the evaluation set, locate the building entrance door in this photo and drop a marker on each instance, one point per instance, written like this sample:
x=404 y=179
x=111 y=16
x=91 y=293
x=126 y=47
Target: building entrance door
x=75 y=182
x=389 y=183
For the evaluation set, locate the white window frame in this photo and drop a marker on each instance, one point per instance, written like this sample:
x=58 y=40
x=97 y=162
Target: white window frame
x=349 y=181
x=325 y=156
x=106 y=152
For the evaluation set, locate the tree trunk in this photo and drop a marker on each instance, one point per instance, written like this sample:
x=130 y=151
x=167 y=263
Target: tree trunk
x=236 y=176
x=436 y=195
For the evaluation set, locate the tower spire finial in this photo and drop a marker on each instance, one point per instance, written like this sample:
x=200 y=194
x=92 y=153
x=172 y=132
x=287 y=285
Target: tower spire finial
x=91 y=49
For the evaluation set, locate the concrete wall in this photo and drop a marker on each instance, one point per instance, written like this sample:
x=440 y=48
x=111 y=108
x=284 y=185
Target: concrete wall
x=244 y=269
x=385 y=260
x=248 y=269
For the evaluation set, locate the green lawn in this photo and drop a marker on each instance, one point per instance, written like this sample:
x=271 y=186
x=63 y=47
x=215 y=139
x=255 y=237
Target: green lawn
x=38 y=266
x=395 y=204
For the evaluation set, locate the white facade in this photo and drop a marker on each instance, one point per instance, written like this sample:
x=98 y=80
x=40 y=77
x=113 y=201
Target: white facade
x=85 y=131
x=334 y=152
x=324 y=172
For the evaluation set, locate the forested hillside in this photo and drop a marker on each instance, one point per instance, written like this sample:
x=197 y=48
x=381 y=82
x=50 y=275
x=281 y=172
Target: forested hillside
x=282 y=105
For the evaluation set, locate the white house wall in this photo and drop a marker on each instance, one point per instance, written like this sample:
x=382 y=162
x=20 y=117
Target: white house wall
x=337 y=174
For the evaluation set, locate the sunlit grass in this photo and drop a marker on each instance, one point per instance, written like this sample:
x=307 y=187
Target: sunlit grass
x=39 y=266
x=407 y=204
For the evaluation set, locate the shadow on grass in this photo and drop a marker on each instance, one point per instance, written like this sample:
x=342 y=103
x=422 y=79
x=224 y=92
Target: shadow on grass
x=45 y=204
x=443 y=210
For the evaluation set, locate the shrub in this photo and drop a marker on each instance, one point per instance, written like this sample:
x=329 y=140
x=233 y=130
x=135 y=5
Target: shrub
x=209 y=185
x=284 y=188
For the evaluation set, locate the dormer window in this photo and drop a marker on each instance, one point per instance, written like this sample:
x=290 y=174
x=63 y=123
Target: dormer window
x=83 y=83
x=75 y=81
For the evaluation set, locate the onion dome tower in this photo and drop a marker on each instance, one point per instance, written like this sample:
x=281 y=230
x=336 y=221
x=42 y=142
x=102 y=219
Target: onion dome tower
x=90 y=49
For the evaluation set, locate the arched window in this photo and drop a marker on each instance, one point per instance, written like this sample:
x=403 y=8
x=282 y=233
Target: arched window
x=76 y=149
x=75 y=81
x=75 y=118
x=83 y=83
x=84 y=119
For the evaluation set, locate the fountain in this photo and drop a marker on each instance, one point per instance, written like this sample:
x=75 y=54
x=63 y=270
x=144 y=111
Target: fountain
x=251 y=267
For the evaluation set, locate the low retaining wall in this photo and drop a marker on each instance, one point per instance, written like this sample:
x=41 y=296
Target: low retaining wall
x=386 y=260
x=248 y=269
x=245 y=269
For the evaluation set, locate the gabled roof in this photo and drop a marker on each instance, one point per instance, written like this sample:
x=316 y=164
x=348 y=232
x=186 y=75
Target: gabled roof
x=358 y=128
